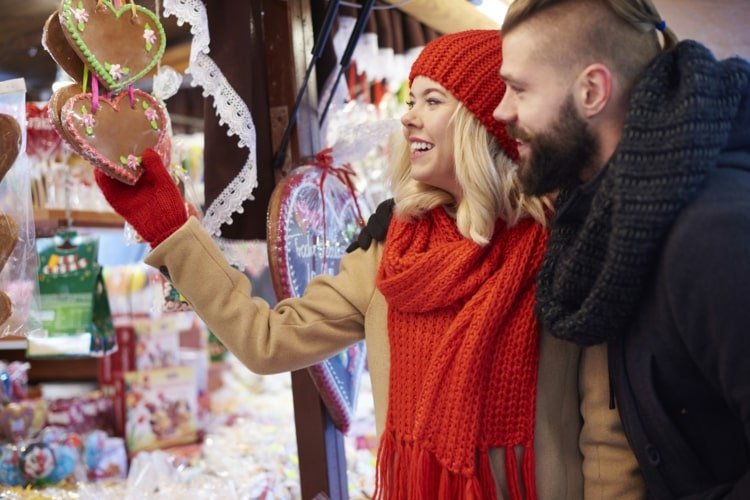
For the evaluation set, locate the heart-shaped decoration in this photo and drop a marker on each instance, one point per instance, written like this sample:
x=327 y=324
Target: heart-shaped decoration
x=114 y=136
x=10 y=143
x=119 y=44
x=8 y=237
x=56 y=102
x=56 y=44
x=15 y=421
x=8 y=240
x=299 y=249
x=6 y=307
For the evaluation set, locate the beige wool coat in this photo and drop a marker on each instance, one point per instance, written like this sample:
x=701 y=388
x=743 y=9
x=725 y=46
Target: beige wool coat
x=337 y=311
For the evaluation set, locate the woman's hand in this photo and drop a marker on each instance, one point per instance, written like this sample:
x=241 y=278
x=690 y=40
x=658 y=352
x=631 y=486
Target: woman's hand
x=153 y=206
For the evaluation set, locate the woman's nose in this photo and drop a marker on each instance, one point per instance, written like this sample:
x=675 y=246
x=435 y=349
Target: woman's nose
x=409 y=119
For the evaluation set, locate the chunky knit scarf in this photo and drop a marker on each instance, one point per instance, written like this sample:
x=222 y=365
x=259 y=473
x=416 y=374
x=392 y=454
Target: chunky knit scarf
x=464 y=357
x=607 y=235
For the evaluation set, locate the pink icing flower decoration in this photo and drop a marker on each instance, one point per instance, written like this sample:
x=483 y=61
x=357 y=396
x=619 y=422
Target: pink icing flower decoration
x=81 y=15
x=151 y=114
x=149 y=35
x=133 y=162
x=88 y=120
x=115 y=71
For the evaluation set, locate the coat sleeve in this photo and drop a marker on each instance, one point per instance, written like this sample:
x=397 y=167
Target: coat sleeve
x=297 y=332
x=610 y=469
x=708 y=270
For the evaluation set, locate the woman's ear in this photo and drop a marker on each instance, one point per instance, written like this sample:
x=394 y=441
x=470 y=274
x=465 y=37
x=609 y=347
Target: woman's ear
x=593 y=90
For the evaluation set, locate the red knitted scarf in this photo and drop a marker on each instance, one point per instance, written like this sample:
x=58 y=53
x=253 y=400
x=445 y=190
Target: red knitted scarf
x=464 y=358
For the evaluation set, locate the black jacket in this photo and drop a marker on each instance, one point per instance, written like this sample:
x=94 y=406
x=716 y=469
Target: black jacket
x=652 y=256
x=681 y=375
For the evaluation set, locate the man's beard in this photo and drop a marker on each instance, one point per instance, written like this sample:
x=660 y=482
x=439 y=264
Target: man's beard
x=558 y=155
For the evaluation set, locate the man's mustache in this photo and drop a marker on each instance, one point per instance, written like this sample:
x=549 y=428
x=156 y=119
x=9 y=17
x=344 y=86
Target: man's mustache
x=517 y=133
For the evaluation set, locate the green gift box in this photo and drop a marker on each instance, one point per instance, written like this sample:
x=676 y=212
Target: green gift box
x=75 y=314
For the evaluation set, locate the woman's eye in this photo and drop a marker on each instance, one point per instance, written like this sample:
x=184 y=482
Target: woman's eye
x=432 y=101
x=409 y=104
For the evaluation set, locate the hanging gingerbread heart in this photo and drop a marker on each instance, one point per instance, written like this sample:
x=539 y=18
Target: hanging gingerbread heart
x=56 y=102
x=112 y=133
x=119 y=43
x=56 y=44
x=10 y=143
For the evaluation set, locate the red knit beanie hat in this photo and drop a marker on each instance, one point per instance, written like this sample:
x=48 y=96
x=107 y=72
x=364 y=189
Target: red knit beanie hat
x=467 y=65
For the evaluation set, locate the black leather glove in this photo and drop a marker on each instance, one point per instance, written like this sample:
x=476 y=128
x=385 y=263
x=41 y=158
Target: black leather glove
x=376 y=228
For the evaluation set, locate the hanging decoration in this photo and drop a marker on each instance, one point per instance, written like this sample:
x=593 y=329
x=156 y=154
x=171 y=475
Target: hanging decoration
x=230 y=109
x=115 y=44
x=113 y=136
x=120 y=44
x=313 y=215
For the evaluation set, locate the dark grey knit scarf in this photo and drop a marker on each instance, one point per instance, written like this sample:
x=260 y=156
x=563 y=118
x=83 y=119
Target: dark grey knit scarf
x=608 y=233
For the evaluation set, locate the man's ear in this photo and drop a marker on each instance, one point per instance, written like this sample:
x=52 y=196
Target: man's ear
x=593 y=89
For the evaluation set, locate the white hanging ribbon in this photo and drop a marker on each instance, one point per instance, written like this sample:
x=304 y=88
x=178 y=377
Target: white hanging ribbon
x=230 y=109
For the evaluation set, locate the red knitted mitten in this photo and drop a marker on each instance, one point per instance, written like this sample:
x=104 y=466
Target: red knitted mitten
x=153 y=206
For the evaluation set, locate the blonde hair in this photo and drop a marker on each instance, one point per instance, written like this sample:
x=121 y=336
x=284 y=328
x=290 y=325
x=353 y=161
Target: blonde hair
x=487 y=178
x=622 y=33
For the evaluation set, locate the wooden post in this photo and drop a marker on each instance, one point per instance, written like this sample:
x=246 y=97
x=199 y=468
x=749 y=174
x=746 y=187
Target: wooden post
x=288 y=35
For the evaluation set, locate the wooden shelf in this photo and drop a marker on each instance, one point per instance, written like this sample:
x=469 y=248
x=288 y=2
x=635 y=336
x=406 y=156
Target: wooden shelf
x=53 y=369
x=48 y=221
x=12 y=342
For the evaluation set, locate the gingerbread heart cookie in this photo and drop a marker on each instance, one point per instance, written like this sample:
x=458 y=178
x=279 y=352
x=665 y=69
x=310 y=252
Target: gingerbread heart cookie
x=114 y=136
x=119 y=44
x=56 y=102
x=10 y=143
x=6 y=307
x=8 y=240
x=56 y=44
x=8 y=237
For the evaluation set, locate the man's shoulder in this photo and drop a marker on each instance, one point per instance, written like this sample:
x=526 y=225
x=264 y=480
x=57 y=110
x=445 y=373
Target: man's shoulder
x=718 y=215
x=724 y=195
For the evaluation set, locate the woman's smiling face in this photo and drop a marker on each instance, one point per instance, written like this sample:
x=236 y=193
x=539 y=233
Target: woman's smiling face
x=428 y=129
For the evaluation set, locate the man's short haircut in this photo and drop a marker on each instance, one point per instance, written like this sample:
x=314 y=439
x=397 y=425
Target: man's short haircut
x=622 y=34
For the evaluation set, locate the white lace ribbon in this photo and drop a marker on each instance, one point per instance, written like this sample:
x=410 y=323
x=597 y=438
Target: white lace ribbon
x=230 y=109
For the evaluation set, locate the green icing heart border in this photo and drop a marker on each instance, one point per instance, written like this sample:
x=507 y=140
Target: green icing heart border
x=93 y=62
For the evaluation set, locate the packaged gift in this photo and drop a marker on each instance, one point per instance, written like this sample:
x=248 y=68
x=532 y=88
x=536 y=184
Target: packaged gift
x=10 y=474
x=76 y=319
x=160 y=408
x=51 y=458
x=18 y=255
x=81 y=414
x=14 y=381
x=105 y=457
x=157 y=342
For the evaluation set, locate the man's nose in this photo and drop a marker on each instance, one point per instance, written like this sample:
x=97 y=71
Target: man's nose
x=505 y=110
